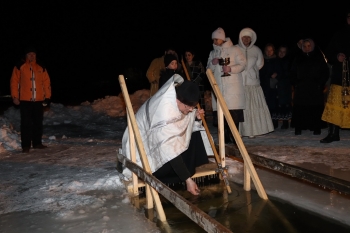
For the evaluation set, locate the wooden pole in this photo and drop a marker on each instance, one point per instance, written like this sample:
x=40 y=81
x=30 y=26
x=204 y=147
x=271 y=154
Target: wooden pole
x=247 y=162
x=139 y=143
x=222 y=170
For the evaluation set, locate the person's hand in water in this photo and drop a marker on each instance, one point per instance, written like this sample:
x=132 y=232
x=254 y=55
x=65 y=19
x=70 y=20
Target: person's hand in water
x=192 y=187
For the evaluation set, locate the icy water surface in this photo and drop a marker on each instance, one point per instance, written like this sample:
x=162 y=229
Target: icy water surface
x=109 y=213
x=240 y=211
x=243 y=211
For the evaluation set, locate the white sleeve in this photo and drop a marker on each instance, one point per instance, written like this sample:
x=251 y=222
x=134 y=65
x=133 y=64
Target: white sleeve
x=260 y=60
x=209 y=64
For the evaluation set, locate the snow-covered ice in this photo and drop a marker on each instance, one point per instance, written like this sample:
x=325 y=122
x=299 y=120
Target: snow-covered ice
x=74 y=181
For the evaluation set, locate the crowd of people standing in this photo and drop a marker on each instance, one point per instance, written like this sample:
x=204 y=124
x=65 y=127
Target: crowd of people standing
x=260 y=89
x=263 y=87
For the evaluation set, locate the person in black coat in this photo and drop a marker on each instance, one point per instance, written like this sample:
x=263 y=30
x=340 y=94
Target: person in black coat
x=309 y=74
x=269 y=75
x=284 y=87
x=171 y=68
x=196 y=71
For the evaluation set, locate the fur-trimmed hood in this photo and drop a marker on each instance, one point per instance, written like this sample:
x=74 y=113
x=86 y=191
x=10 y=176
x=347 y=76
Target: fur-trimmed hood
x=247 y=32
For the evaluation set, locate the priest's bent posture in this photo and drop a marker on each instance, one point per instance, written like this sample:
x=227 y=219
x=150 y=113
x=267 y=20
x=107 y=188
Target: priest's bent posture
x=172 y=133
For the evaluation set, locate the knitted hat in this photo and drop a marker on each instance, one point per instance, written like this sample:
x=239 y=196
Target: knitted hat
x=169 y=58
x=188 y=93
x=29 y=50
x=218 y=34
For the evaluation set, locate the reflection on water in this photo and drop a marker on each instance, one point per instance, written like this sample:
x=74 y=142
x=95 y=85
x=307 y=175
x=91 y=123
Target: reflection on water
x=241 y=211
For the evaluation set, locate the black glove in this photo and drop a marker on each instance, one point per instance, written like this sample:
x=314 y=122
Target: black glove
x=46 y=102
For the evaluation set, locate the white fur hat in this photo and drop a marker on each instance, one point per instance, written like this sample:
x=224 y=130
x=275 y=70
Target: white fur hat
x=247 y=33
x=219 y=34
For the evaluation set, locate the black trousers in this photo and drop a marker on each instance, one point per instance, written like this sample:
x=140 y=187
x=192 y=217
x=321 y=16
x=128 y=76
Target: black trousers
x=307 y=117
x=184 y=166
x=32 y=115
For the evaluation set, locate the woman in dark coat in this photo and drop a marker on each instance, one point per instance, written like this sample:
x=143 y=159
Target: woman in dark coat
x=269 y=75
x=309 y=74
x=284 y=88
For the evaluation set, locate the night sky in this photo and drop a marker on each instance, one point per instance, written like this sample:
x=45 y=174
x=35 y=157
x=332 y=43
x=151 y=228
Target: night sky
x=85 y=46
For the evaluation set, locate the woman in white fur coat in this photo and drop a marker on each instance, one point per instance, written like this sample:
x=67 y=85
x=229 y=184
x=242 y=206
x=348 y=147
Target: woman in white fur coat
x=257 y=118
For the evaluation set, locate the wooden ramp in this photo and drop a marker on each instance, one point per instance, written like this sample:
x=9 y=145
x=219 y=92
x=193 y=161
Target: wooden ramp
x=152 y=184
x=201 y=171
x=194 y=213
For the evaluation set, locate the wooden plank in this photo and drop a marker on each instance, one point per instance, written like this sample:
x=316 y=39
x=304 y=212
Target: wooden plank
x=194 y=213
x=132 y=146
x=259 y=187
x=206 y=170
x=203 y=170
x=143 y=156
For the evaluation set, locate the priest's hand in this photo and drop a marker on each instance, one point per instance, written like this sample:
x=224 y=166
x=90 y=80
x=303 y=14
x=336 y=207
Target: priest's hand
x=192 y=187
x=199 y=112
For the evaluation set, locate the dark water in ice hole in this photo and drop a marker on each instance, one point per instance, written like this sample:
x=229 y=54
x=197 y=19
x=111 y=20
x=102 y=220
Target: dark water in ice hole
x=241 y=211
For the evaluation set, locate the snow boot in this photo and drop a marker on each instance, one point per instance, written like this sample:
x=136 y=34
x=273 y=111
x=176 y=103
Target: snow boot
x=333 y=134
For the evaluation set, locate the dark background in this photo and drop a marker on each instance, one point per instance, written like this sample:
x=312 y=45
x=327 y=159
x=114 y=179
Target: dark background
x=86 y=45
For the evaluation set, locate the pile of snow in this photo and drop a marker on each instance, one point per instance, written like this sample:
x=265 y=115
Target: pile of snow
x=9 y=138
x=100 y=110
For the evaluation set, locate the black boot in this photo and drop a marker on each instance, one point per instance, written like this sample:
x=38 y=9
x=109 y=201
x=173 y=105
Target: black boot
x=285 y=124
x=275 y=123
x=215 y=118
x=333 y=134
x=336 y=136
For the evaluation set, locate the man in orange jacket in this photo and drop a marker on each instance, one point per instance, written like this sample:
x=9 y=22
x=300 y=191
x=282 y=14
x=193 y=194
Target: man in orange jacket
x=31 y=90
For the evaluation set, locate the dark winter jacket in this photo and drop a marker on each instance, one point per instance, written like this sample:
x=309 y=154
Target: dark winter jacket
x=197 y=74
x=284 y=86
x=165 y=75
x=271 y=65
x=340 y=43
x=309 y=73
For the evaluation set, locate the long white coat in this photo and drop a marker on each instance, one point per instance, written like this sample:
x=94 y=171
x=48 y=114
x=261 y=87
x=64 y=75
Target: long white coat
x=254 y=56
x=257 y=118
x=165 y=131
x=231 y=87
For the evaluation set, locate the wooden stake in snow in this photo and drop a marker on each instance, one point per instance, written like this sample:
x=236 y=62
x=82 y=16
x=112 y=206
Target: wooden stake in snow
x=144 y=160
x=249 y=170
